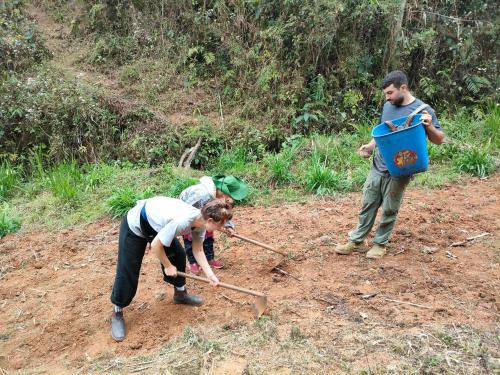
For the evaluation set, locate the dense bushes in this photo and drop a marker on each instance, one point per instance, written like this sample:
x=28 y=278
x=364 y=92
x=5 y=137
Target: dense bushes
x=21 y=45
x=280 y=54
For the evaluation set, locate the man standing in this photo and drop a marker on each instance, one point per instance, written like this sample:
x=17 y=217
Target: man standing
x=380 y=188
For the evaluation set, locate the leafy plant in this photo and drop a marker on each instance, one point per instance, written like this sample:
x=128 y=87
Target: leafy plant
x=475 y=161
x=7 y=223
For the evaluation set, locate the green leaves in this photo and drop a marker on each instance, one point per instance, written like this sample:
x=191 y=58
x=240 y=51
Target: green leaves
x=8 y=224
x=476 y=161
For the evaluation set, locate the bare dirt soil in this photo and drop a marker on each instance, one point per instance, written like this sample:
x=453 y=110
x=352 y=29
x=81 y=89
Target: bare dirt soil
x=55 y=286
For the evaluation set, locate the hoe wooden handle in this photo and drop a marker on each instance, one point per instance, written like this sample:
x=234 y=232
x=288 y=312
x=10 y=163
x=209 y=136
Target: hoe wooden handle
x=224 y=285
x=258 y=244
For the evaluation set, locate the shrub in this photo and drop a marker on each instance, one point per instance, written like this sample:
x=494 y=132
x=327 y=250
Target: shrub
x=7 y=223
x=21 y=45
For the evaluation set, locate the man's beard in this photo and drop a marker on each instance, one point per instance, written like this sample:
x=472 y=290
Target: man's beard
x=398 y=101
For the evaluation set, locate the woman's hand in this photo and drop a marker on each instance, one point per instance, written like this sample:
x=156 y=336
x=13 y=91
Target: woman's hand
x=229 y=231
x=171 y=271
x=214 y=281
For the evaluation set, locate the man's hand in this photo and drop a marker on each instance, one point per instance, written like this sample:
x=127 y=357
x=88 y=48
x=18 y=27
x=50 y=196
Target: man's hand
x=171 y=271
x=214 y=281
x=229 y=231
x=426 y=118
x=365 y=151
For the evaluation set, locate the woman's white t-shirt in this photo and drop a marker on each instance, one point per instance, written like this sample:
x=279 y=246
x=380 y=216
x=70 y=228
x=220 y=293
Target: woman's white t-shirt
x=168 y=216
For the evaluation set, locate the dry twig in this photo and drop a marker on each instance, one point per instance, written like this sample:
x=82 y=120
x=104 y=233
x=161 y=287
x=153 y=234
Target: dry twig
x=408 y=303
x=461 y=243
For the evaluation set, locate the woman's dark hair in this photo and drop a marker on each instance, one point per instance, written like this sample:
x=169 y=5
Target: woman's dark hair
x=218 y=210
x=396 y=78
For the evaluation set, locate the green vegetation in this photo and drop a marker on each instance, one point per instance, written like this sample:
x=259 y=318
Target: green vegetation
x=282 y=103
x=8 y=179
x=8 y=224
x=318 y=164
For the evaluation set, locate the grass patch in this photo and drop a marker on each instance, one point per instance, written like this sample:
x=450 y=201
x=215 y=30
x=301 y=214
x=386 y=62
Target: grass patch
x=476 y=161
x=275 y=346
x=124 y=199
x=8 y=224
x=8 y=179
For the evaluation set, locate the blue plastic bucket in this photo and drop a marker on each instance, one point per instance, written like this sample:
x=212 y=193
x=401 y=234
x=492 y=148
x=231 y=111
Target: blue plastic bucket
x=403 y=151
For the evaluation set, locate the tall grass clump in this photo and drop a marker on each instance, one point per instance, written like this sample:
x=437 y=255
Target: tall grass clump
x=124 y=199
x=8 y=179
x=179 y=183
x=280 y=166
x=491 y=128
x=476 y=161
x=65 y=180
x=233 y=161
x=321 y=179
x=7 y=223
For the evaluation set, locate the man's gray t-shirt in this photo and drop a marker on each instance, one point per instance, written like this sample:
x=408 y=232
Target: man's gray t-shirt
x=391 y=112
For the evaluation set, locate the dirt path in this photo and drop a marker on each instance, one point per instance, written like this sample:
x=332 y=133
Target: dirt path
x=54 y=300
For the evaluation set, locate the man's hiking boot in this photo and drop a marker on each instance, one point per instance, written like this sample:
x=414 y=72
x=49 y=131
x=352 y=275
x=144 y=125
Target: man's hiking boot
x=376 y=252
x=117 y=326
x=182 y=297
x=350 y=247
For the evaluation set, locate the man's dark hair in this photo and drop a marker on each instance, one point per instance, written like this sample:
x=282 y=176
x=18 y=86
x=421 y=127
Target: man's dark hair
x=396 y=78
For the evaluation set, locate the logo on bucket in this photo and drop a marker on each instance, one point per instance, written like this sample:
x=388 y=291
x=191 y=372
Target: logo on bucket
x=405 y=158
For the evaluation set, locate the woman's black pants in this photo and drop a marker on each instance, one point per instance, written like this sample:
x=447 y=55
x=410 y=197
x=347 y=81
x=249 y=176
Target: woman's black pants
x=131 y=249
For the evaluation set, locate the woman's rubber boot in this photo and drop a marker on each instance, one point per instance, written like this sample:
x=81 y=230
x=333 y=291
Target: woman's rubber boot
x=118 y=326
x=182 y=297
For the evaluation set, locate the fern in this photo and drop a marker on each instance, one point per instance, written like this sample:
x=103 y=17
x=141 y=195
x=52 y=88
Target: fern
x=475 y=83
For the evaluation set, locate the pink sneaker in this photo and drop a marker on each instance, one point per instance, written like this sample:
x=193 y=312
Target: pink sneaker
x=215 y=263
x=194 y=268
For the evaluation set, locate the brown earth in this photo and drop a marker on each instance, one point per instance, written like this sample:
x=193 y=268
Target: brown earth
x=55 y=286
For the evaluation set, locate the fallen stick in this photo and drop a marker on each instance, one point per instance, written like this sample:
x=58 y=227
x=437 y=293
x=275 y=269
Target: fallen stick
x=279 y=270
x=408 y=303
x=461 y=243
x=233 y=300
x=139 y=369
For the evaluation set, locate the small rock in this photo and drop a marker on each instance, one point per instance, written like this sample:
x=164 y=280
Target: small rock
x=324 y=240
x=428 y=250
x=135 y=346
x=363 y=315
x=482 y=295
